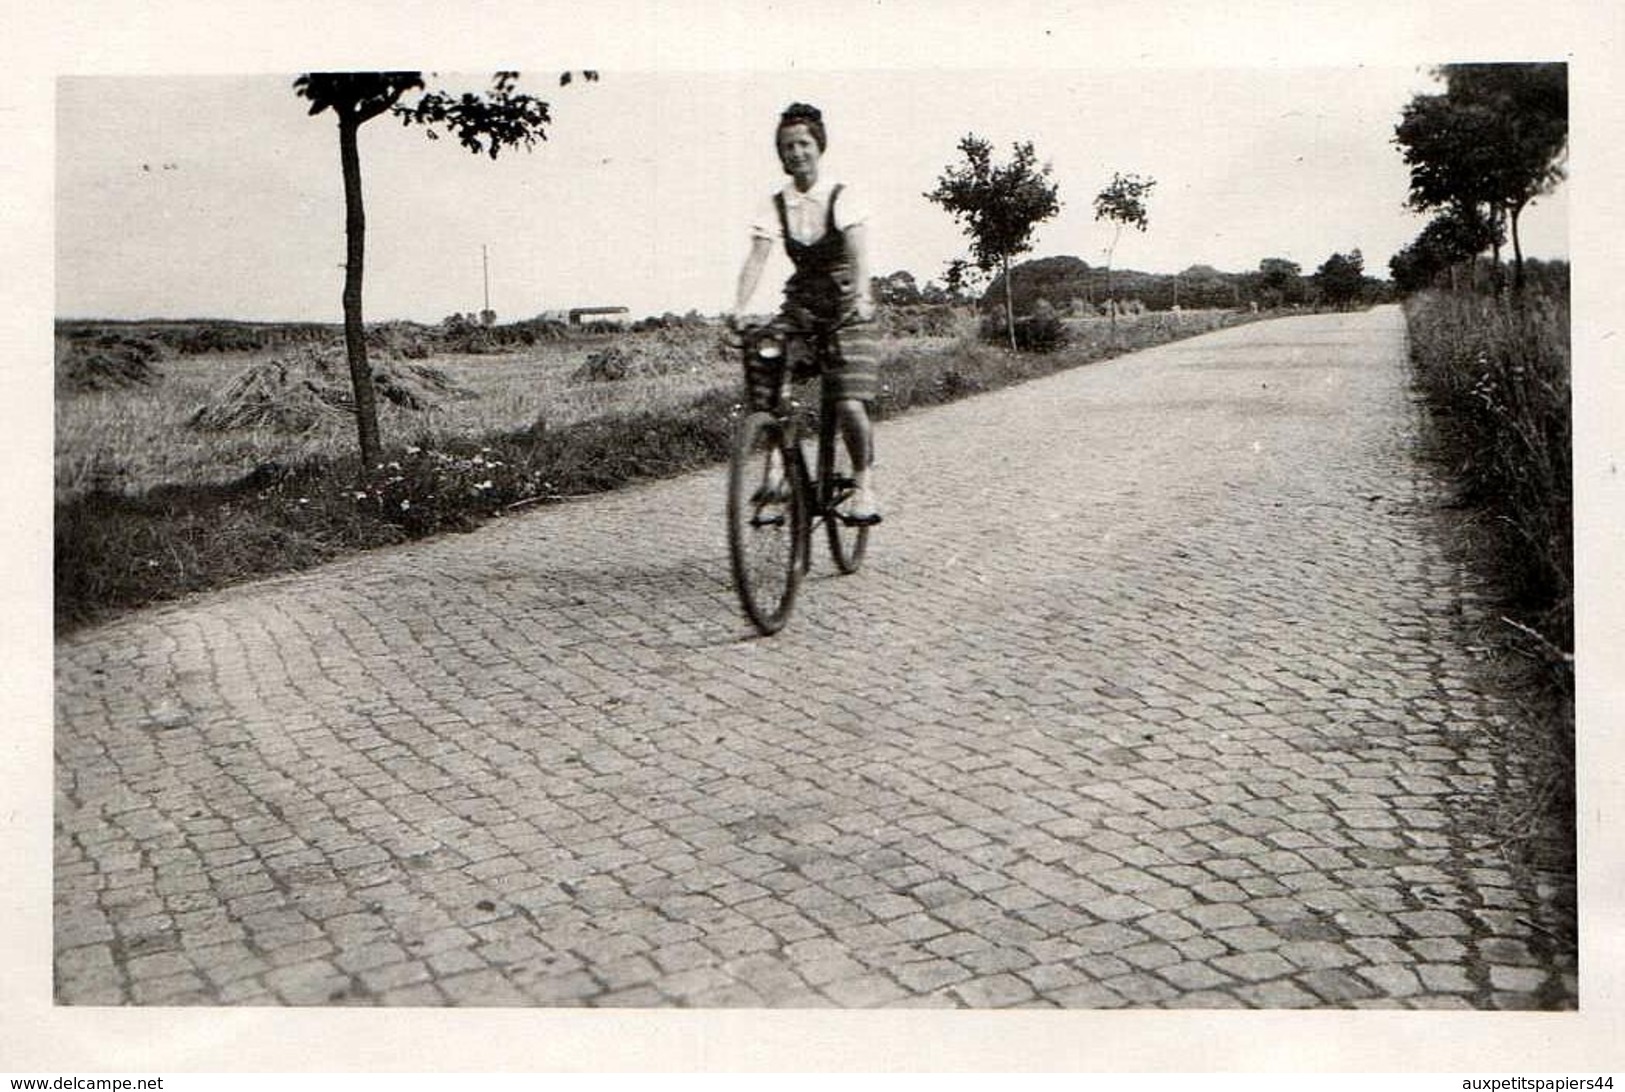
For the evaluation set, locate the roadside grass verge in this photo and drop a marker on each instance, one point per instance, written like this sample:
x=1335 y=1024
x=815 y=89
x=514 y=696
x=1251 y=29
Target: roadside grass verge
x=150 y=508
x=1496 y=376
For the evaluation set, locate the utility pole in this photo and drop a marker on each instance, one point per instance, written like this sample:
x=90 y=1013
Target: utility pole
x=488 y=317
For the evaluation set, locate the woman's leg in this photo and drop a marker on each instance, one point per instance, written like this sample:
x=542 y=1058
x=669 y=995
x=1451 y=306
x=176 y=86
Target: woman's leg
x=853 y=417
x=856 y=384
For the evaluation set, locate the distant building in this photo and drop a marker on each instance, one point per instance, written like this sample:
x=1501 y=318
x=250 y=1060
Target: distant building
x=577 y=314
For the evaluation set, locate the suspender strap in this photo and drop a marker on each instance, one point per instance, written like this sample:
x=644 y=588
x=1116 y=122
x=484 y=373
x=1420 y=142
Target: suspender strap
x=784 y=216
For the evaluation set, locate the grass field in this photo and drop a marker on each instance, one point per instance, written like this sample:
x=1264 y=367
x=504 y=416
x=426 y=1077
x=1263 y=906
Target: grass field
x=148 y=506
x=1495 y=371
x=136 y=438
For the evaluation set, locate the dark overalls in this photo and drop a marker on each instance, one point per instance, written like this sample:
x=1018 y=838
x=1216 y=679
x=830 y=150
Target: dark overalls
x=819 y=304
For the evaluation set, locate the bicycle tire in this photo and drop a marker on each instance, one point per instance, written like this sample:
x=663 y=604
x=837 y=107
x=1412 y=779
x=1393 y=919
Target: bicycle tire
x=847 y=542
x=765 y=536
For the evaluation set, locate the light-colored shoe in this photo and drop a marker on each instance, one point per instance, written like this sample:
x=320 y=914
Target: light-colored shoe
x=775 y=487
x=864 y=507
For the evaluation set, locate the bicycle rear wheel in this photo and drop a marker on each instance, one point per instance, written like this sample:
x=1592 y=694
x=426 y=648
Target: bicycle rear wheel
x=847 y=542
x=765 y=520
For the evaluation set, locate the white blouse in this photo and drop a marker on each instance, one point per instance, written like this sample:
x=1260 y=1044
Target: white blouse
x=808 y=212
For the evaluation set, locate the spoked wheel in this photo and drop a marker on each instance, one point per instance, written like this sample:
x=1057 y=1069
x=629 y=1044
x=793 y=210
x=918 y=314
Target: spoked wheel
x=847 y=541
x=764 y=523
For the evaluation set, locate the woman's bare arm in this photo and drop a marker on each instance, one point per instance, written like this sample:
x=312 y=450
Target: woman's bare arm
x=751 y=274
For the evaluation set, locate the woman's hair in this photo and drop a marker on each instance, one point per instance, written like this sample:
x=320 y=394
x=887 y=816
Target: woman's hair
x=799 y=113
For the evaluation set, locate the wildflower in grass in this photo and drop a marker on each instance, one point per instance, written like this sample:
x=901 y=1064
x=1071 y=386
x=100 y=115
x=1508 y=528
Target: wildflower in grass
x=405 y=504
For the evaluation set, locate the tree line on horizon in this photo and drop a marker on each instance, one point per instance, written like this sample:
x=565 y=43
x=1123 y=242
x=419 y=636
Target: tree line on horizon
x=1069 y=284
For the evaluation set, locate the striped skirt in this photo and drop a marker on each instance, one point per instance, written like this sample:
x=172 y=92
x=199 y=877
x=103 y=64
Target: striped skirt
x=852 y=365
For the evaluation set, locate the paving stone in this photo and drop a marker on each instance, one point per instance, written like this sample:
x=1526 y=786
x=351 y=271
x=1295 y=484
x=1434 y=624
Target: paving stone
x=994 y=991
x=1317 y=954
x=1335 y=987
x=929 y=975
x=1498 y=950
x=865 y=991
x=483 y=988
x=1199 y=948
x=1446 y=978
x=1143 y=989
x=1434 y=923
x=1101 y=966
x=185 y=988
x=1438 y=950
x=1359 y=923
x=994 y=959
x=1193 y=977
x=1392 y=980
x=1220 y=916
x=1089 y=995
x=1518 y=979
x=1255 y=966
x=1379 y=950
x=314 y=982
x=1149 y=956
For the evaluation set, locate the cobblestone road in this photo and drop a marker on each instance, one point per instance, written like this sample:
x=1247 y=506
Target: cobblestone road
x=1152 y=694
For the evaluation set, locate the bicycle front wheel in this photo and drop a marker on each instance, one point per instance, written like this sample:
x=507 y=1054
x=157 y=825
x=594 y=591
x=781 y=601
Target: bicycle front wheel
x=765 y=520
x=836 y=481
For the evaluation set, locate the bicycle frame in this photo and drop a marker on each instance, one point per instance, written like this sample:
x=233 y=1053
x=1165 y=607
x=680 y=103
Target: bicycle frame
x=771 y=344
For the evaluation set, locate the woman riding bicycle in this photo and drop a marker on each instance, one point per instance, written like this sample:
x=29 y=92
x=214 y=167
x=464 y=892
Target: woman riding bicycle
x=826 y=299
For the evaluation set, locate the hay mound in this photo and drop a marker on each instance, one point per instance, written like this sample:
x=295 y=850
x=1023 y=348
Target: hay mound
x=106 y=362
x=416 y=386
x=605 y=366
x=644 y=355
x=294 y=393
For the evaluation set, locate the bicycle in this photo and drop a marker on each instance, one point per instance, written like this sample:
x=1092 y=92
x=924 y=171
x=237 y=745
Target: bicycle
x=774 y=502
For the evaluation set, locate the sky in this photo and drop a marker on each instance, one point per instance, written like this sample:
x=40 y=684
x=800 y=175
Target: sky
x=181 y=196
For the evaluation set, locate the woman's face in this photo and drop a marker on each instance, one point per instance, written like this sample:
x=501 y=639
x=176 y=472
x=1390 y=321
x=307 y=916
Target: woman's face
x=799 y=153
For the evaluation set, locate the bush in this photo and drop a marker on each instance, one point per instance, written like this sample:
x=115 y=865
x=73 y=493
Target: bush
x=1040 y=332
x=427 y=490
x=919 y=320
x=216 y=338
